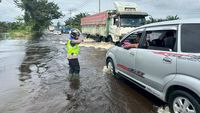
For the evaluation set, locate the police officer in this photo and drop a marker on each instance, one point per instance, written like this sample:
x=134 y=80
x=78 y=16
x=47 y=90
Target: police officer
x=73 y=49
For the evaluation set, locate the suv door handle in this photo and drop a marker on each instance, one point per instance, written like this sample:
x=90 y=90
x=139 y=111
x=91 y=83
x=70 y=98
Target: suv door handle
x=132 y=53
x=167 y=60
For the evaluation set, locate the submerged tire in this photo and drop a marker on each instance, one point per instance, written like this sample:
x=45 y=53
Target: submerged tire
x=111 y=66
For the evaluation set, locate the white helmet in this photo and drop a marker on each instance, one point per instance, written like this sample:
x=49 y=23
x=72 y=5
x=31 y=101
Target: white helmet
x=75 y=33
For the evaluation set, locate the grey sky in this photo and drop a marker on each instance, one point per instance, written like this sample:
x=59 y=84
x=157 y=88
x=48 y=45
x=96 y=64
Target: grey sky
x=9 y=11
x=156 y=8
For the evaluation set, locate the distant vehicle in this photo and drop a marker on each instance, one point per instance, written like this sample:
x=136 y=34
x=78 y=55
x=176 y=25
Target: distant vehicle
x=57 y=32
x=65 y=30
x=166 y=62
x=111 y=25
x=51 y=28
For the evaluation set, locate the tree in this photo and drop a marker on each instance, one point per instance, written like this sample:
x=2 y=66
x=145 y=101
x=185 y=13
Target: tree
x=75 y=22
x=172 y=17
x=38 y=13
x=6 y=26
x=153 y=20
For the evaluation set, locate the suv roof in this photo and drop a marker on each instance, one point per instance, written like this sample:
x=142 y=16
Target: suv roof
x=173 y=22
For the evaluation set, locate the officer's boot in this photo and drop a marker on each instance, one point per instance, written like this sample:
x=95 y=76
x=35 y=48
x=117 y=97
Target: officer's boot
x=70 y=77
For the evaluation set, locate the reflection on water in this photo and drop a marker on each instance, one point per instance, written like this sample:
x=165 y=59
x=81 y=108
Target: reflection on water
x=74 y=84
x=4 y=36
x=34 y=57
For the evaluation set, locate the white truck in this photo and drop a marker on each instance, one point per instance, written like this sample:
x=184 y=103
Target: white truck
x=112 y=25
x=51 y=28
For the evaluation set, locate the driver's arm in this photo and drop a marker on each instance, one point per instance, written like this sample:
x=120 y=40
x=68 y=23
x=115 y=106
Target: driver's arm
x=129 y=45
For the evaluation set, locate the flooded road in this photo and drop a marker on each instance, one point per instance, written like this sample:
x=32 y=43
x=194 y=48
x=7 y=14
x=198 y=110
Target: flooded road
x=34 y=79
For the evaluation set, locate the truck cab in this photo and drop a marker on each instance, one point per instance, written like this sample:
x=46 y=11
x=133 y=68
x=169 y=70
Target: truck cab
x=112 y=25
x=126 y=18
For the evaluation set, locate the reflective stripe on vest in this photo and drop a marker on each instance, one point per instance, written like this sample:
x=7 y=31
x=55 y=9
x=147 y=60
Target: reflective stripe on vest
x=72 y=51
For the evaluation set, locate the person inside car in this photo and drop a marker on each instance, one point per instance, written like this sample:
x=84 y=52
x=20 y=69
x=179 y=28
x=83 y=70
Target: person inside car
x=127 y=44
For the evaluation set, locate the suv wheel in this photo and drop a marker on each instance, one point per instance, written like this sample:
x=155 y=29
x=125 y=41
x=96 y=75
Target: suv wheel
x=110 y=66
x=183 y=102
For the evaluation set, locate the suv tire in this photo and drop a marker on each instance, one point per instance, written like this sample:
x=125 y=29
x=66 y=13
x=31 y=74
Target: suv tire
x=111 y=66
x=181 y=102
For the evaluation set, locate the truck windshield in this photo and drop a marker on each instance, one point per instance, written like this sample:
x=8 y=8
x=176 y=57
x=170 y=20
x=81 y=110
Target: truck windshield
x=131 y=21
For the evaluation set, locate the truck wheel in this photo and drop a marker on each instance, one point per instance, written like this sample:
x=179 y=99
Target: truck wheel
x=100 y=38
x=183 y=102
x=110 y=39
x=88 y=36
x=97 y=39
x=104 y=39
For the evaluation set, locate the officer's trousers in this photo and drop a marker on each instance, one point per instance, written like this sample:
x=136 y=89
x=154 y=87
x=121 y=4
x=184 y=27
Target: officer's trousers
x=74 y=67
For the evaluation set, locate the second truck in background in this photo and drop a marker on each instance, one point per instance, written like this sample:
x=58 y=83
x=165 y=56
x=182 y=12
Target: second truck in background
x=112 y=25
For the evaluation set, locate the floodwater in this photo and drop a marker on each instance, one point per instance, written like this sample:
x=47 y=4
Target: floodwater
x=34 y=79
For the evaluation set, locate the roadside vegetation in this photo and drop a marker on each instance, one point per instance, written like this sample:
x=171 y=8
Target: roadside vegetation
x=38 y=14
x=16 y=29
x=168 y=18
x=37 y=17
x=75 y=22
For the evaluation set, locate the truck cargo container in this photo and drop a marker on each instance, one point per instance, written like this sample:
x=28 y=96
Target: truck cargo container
x=112 y=25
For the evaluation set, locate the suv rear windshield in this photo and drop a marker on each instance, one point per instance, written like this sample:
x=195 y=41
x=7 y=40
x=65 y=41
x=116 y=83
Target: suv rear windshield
x=190 y=38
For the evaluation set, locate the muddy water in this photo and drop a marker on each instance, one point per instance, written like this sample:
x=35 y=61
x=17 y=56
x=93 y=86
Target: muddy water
x=34 y=79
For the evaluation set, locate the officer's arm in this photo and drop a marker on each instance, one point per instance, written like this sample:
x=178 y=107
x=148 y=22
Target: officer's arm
x=76 y=41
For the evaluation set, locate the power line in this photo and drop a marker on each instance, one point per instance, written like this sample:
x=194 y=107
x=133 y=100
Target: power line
x=86 y=2
x=81 y=6
x=99 y=6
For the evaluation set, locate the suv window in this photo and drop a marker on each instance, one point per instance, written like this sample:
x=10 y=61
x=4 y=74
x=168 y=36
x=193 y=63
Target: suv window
x=132 y=38
x=190 y=38
x=161 y=40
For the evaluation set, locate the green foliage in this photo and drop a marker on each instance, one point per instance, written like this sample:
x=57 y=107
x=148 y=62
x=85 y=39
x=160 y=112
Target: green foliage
x=38 y=13
x=172 y=17
x=5 y=26
x=153 y=20
x=75 y=22
x=16 y=29
x=22 y=33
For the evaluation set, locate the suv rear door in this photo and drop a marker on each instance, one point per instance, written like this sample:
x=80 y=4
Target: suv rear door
x=155 y=63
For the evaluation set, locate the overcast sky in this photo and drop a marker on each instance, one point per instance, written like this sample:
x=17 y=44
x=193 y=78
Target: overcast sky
x=155 y=8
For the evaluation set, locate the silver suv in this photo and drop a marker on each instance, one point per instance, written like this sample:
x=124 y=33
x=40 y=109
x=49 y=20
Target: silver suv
x=166 y=62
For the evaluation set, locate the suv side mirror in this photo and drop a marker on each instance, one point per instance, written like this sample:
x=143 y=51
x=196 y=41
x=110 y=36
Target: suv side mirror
x=118 y=43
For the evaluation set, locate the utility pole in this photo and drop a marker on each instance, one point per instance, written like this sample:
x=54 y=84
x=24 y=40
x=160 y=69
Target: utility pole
x=99 y=6
x=70 y=13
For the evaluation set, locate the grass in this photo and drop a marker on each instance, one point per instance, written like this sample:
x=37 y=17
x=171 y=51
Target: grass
x=24 y=32
x=20 y=34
